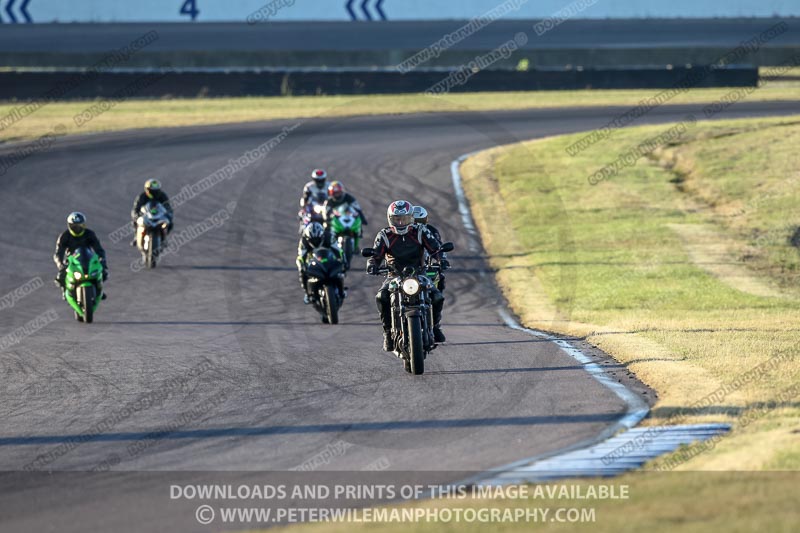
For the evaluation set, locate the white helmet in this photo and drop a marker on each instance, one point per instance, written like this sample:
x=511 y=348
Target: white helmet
x=400 y=216
x=420 y=215
x=319 y=176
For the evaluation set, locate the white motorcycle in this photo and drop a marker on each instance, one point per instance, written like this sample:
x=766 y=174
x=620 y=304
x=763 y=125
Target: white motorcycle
x=151 y=229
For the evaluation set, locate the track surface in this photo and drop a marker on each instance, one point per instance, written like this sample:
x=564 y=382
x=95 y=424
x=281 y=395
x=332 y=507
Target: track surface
x=286 y=386
x=402 y=35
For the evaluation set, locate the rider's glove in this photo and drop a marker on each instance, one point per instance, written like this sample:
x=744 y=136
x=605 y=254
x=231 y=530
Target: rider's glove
x=445 y=264
x=372 y=269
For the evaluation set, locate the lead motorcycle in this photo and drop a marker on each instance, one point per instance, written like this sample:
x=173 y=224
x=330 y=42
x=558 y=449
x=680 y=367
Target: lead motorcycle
x=151 y=230
x=325 y=272
x=412 y=312
x=83 y=283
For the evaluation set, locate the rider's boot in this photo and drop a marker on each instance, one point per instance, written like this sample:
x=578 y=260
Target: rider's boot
x=388 y=341
x=438 y=336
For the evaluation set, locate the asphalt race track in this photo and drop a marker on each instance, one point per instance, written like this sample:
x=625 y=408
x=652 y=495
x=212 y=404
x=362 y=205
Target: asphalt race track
x=242 y=376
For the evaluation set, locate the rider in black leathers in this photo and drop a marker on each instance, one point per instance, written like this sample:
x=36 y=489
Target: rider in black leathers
x=314 y=236
x=403 y=244
x=77 y=236
x=152 y=193
x=421 y=217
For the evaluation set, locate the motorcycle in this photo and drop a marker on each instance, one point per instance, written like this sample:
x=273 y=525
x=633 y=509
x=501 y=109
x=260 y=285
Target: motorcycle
x=326 y=283
x=151 y=229
x=345 y=224
x=411 y=312
x=83 y=283
x=312 y=212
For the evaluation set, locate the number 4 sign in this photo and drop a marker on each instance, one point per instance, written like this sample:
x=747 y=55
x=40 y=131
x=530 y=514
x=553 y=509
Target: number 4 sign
x=189 y=7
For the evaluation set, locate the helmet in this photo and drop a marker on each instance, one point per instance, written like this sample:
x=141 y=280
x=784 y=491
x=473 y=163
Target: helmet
x=400 y=216
x=76 y=222
x=314 y=233
x=336 y=190
x=150 y=186
x=319 y=176
x=420 y=214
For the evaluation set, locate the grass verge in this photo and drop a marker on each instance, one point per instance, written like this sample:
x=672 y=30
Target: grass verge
x=162 y=113
x=681 y=266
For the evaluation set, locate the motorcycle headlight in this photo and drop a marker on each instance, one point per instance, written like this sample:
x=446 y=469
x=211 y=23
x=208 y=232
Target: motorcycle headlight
x=77 y=275
x=411 y=286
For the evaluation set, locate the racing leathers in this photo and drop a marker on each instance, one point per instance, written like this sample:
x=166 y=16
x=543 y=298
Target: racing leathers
x=157 y=196
x=304 y=249
x=313 y=194
x=443 y=262
x=68 y=243
x=399 y=252
x=347 y=198
x=332 y=203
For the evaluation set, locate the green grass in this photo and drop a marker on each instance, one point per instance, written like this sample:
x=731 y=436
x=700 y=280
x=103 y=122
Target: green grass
x=680 y=266
x=138 y=113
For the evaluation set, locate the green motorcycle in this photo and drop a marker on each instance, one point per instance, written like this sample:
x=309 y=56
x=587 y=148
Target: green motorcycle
x=84 y=283
x=345 y=224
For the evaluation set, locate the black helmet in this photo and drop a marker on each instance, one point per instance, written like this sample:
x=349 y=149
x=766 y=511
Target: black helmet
x=76 y=222
x=151 y=186
x=314 y=233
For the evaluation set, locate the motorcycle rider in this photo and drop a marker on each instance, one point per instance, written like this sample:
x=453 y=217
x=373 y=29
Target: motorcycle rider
x=314 y=236
x=76 y=236
x=421 y=217
x=337 y=196
x=315 y=191
x=403 y=244
x=152 y=193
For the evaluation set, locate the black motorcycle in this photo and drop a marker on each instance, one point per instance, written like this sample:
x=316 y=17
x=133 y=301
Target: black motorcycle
x=412 y=312
x=325 y=272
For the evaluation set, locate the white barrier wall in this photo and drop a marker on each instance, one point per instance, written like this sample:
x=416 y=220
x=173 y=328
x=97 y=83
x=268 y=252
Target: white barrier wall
x=25 y=11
